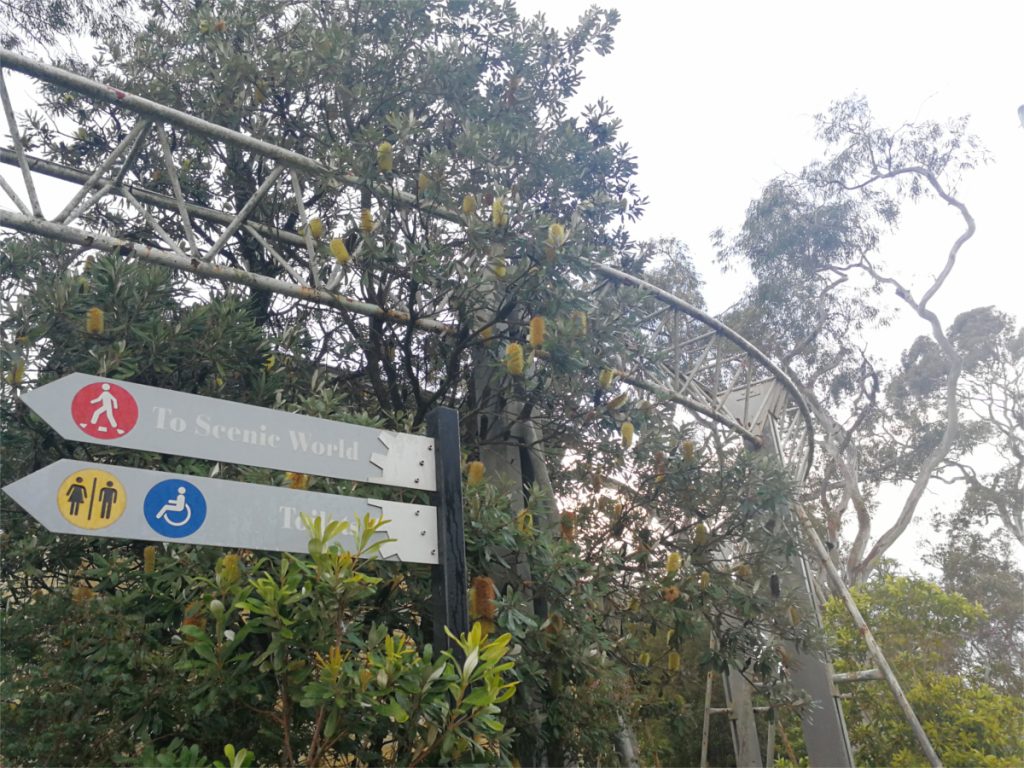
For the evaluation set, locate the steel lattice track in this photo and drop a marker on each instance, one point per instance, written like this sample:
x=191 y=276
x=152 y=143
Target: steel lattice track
x=715 y=372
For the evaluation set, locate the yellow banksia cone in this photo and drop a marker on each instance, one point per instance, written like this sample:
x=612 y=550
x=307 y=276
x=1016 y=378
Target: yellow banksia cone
x=671 y=594
x=366 y=220
x=524 y=521
x=468 y=205
x=704 y=579
x=385 y=156
x=94 y=320
x=475 y=472
x=673 y=563
x=481 y=602
x=617 y=402
x=627 y=433
x=297 y=480
x=149 y=559
x=537 y=325
x=744 y=572
x=514 y=362
x=579 y=322
x=606 y=377
x=82 y=594
x=556 y=235
x=340 y=251
x=17 y=373
x=794 y=615
x=499 y=217
x=688 y=449
x=700 y=535
x=568 y=525
x=645 y=659
x=316 y=228
x=674 y=662
x=229 y=570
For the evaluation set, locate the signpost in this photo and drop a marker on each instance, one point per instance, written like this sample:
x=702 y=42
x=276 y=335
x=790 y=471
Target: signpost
x=83 y=498
x=91 y=409
x=75 y=497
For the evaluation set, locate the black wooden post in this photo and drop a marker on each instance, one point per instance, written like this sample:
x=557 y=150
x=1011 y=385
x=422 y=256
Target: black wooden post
x=450 y=584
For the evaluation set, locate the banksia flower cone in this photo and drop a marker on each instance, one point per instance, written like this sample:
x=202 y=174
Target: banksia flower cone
x=316 y=228
x=705 y=579
x=556 y=235
x=149 y=559
x=339 y=251
x=627 y=434
x=700 y=535
x=94 y=320
x=385 y=157
x=514 y=362
x=606 y=377
x=499 y=217
x=537 y=331
x=688 y=449
x=229 y=570
x=524 y=521
x=481 y=602
x=297 y=480
x=17 y=373
x=468 y=205
x=366 y=221
x=674 y=661
x=475 y=473
x=579 y=322
x=673 y=563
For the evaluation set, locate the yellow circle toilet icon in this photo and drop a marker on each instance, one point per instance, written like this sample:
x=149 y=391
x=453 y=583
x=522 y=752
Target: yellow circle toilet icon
x=91 y=499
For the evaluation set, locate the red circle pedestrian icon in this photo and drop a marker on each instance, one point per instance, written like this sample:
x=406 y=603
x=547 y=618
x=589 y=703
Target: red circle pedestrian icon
x=104 y=410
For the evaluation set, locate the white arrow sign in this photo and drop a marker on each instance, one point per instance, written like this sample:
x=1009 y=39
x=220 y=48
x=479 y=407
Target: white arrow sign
x=87 y=499
x=97 y=410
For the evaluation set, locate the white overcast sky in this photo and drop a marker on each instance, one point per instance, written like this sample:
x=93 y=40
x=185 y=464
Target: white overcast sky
x=717 y=98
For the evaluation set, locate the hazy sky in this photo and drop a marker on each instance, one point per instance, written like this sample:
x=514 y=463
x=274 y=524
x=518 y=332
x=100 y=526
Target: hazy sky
x=718 y=98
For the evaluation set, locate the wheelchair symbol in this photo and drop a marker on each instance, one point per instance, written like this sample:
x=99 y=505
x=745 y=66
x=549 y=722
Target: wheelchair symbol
x=175 y=508
x=178 y=504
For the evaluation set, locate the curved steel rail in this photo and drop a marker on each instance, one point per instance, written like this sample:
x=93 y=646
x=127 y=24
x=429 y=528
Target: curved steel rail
x=714 y=371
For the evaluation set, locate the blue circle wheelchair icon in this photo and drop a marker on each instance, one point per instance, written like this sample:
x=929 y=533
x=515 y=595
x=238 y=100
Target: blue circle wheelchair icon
x=174 y=508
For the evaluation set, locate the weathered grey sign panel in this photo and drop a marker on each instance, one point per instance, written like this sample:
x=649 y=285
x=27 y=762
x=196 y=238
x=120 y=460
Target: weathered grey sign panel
x=105 y=411
x=82 y=498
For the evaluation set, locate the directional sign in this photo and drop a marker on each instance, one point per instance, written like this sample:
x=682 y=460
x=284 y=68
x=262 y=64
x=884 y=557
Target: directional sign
x=95 y=410
x=80 y=498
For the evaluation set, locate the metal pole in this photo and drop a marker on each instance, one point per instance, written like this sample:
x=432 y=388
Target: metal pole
x=450 y=604
x=869 y=639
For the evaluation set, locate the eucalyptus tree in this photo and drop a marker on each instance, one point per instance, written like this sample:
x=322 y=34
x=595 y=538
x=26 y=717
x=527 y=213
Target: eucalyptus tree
x=825 y=283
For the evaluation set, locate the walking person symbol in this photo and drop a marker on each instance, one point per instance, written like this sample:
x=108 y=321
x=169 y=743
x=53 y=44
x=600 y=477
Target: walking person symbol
x=107 y=405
